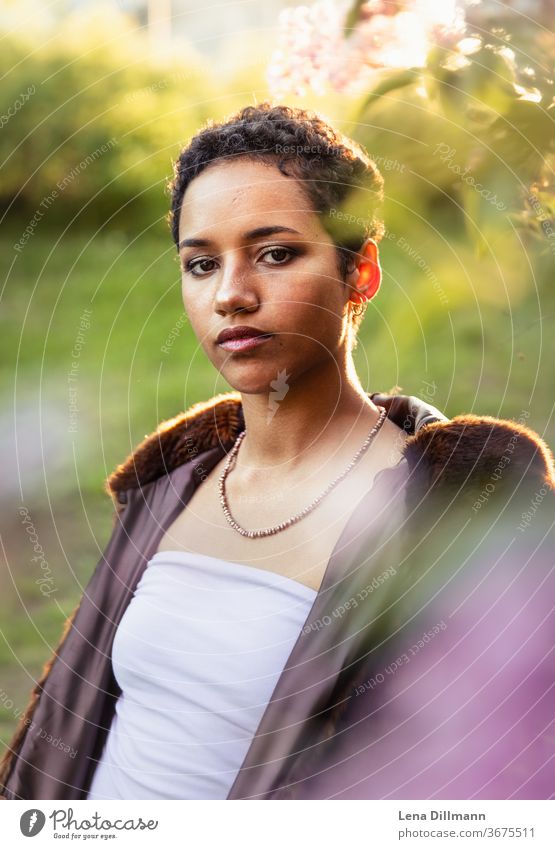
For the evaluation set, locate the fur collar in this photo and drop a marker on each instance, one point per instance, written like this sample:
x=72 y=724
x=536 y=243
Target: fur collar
x=452 y=451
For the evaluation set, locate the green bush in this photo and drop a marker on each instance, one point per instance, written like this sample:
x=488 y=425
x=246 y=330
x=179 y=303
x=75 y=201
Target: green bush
x=99 y=125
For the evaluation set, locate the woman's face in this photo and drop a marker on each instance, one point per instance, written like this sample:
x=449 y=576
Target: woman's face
x=258 y=267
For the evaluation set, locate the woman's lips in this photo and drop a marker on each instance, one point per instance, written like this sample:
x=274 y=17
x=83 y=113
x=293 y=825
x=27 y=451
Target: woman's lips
x=244 y=343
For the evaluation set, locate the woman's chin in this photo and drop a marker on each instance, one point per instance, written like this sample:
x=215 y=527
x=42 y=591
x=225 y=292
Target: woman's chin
x=256 y=381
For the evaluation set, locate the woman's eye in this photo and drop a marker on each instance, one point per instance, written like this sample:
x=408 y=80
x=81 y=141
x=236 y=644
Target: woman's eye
x=278 y=255
x=201 y=266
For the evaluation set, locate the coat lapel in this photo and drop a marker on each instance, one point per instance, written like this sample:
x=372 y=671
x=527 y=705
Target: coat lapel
x=78 y=690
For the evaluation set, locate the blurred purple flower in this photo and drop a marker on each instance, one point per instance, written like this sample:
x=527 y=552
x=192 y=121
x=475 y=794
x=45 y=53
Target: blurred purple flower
x=470 y=713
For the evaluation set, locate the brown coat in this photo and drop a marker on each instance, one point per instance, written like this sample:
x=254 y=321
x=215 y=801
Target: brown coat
x=74 y=700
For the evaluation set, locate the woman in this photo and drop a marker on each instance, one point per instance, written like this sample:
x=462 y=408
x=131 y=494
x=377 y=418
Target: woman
x=259 y=534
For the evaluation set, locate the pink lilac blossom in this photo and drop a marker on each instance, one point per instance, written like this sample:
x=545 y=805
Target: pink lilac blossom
x=314 y=52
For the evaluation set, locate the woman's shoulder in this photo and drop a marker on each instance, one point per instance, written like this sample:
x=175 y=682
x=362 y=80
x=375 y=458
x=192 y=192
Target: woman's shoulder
x=468 y=449
x=177 y=440
x=477 y=462
x=478 y=445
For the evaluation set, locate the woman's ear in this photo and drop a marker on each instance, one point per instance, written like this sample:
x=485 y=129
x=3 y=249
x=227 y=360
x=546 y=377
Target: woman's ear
x=365 y=274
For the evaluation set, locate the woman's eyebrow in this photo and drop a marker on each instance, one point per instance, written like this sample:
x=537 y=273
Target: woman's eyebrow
x=257 y=233
x=262 y=232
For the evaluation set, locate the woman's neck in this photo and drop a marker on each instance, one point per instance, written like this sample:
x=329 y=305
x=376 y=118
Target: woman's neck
x=318 y=410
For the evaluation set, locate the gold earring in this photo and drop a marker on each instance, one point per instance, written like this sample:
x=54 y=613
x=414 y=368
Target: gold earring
x=357 y=309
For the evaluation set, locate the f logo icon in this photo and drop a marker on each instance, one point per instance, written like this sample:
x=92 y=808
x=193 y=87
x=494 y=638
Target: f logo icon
x=32 y=822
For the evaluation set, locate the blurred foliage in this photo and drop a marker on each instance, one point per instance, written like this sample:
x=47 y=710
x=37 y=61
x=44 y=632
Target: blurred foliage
x=466 y=145
x=94 y=86
x=473 y=136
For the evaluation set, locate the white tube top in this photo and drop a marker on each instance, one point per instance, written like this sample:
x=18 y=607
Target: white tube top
x=197 y=655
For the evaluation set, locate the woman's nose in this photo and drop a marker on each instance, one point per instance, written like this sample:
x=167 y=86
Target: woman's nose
x=236 y=290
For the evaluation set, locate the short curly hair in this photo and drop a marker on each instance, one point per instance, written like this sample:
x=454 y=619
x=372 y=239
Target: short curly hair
x=332 y=169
